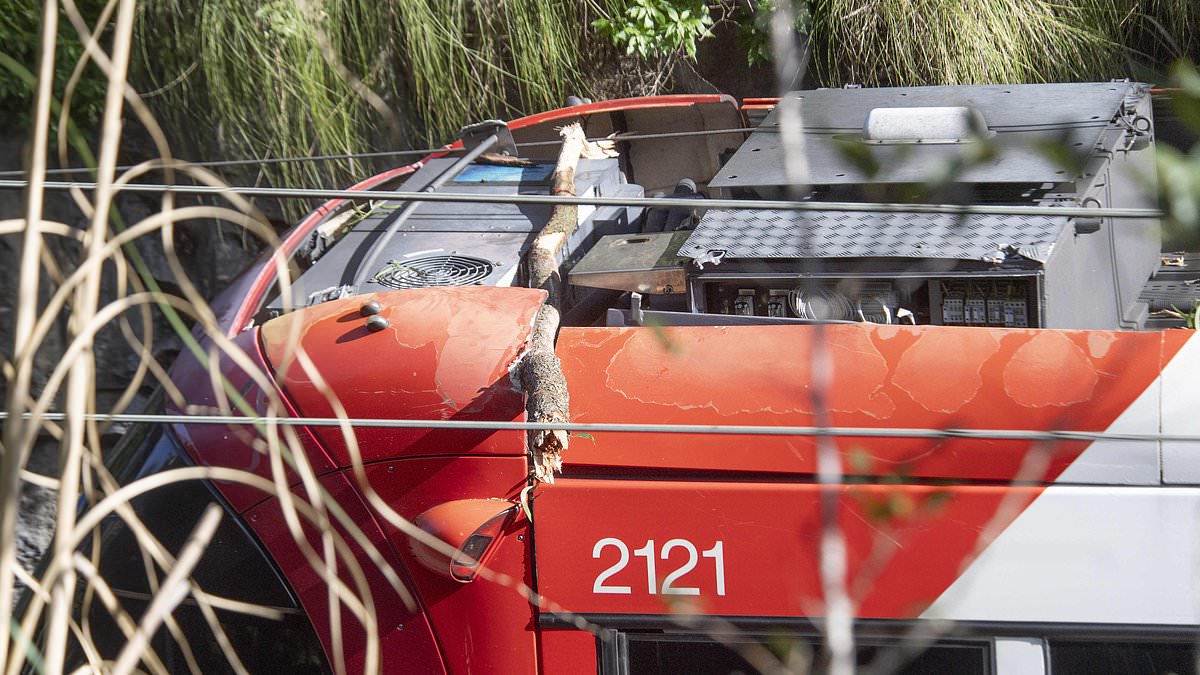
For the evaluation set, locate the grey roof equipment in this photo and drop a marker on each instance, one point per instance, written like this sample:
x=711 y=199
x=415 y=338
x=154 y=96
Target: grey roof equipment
x=1022 y=117
x=840 y=234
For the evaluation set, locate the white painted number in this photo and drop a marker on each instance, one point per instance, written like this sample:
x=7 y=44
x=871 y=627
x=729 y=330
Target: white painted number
x=647 y=553
x=688 y=566
x=599 y=586
x=717 y=553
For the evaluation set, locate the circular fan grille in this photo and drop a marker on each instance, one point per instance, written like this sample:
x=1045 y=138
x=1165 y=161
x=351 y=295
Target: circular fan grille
x=434 y=270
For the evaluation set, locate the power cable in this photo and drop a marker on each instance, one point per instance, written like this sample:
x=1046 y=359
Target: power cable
x=419 y=152
x=422 y=152
x=710 y=429
x=649 y=202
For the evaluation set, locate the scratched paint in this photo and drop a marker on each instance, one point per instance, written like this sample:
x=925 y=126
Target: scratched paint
x=780 y=372
x=445 y=355
x=934 y=379
x=1099 y=343
x=1050 y=370
x=922 y=377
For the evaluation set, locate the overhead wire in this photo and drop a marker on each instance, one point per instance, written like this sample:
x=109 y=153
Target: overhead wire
x=418 y=152
x=446 y=149
x=622 y=427
x=649 y=202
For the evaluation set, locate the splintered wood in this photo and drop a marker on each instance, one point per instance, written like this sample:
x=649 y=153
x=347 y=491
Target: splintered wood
x=541 y=376
x=546 y=398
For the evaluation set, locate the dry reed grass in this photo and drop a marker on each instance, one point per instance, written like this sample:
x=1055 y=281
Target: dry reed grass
x=53 y=624
x=70 y=583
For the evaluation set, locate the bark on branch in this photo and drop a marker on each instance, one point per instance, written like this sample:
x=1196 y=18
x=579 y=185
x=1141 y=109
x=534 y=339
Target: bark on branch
x=546 y=398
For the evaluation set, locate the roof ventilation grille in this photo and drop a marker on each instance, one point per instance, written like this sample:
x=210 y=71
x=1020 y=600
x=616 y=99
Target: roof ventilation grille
x=434 y=270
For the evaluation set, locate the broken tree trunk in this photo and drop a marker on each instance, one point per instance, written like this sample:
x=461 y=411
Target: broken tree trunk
x=541 y=373
x=546 y=398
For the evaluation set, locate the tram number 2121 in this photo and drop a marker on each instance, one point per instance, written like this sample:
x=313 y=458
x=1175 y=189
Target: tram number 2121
x=651 y=554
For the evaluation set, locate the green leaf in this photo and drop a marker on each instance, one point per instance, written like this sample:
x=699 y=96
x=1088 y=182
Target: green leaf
x=659 y=27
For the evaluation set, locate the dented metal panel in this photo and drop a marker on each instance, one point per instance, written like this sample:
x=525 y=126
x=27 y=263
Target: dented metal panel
x=445 y=354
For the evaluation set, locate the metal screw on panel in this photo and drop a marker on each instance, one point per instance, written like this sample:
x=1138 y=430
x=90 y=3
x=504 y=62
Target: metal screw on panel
x=370 y=308
x=520 y=537
x=376 y=323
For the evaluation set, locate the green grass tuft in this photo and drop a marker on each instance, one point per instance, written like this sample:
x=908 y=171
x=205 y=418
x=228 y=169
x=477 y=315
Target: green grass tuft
x=249 y=78
x=919 y=42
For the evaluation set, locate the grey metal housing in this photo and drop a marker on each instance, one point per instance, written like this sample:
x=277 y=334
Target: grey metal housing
x=499 y=234
x=1058 y=144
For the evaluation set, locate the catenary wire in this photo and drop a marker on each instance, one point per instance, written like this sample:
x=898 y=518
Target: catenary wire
x=710 y=429
x=649 y=202
x=418 y=152
x=422 y=152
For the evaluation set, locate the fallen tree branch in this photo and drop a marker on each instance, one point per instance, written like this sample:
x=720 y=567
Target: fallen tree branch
x=546 y=397
x=542 y=259
x=540 y=374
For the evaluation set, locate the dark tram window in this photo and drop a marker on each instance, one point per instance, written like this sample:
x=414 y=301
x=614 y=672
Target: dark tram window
x=655 y=654
x=1080 y=657
x=234 y=566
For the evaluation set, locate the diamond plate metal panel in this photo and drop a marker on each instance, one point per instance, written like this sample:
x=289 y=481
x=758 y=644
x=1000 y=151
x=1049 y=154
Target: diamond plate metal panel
x=765 y=233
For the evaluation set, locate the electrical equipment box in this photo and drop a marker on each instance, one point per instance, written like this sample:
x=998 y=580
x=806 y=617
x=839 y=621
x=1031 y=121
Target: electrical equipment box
x=897 y=266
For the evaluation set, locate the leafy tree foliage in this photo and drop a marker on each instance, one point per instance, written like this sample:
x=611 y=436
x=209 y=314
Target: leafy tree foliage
x=657 y=27
x=20 y=24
